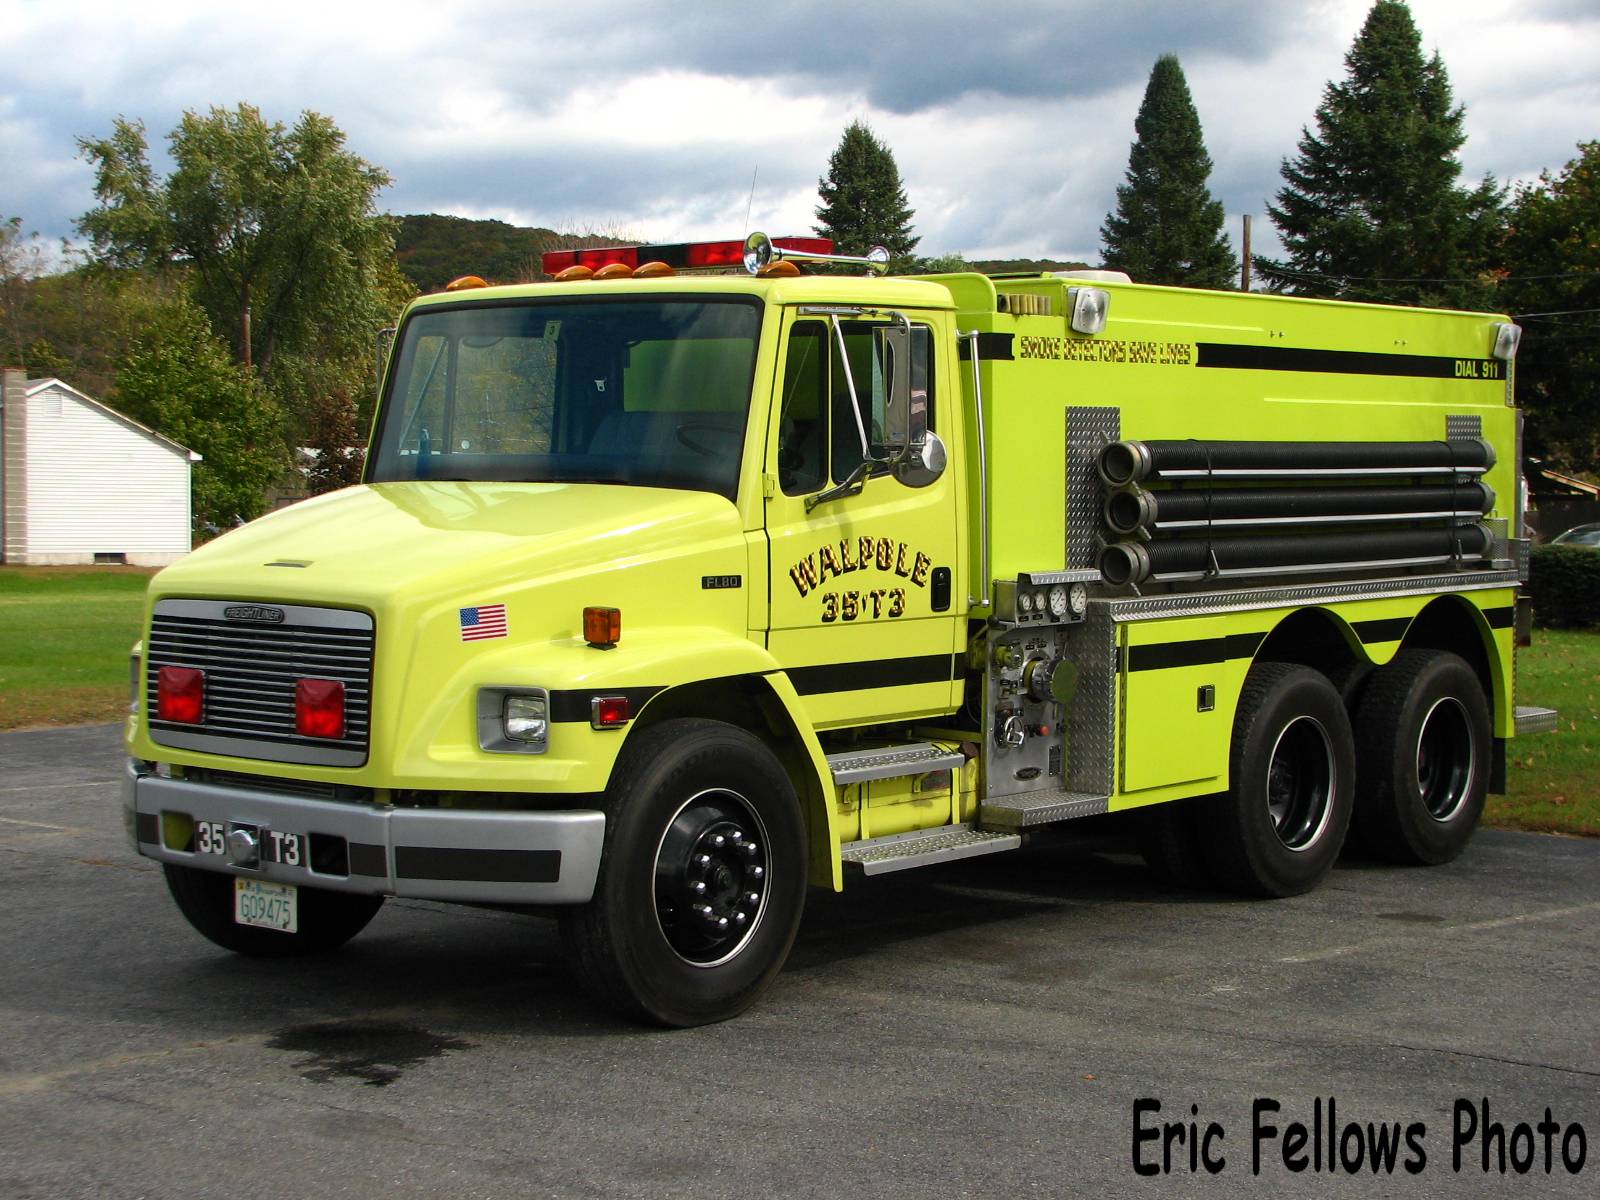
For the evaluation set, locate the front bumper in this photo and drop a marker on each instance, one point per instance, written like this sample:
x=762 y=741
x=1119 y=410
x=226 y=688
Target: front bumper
x=430 y=854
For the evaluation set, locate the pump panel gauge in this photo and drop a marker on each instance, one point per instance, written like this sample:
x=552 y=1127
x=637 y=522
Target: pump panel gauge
x=1058 y=600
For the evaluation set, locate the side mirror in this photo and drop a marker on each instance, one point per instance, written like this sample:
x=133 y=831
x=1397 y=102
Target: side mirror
x=924 y=462
x=905 y=415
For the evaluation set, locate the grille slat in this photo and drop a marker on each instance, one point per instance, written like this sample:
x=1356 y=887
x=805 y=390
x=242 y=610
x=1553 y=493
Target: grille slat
x=251 y=672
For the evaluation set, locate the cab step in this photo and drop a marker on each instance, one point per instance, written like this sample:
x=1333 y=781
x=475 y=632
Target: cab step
x=1039 y=808
x=924 y=847
x=888 y=762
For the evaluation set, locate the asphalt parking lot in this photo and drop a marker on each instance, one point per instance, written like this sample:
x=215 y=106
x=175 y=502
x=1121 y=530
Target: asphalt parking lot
x=982 y=1029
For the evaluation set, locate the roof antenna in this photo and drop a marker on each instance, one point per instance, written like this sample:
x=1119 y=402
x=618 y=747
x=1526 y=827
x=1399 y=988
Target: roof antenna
x=752 y=203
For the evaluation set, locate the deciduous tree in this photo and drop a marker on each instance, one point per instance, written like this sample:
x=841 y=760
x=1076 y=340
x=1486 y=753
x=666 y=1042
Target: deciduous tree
x=278 y=222
x=176 y=377
x=1167 y=227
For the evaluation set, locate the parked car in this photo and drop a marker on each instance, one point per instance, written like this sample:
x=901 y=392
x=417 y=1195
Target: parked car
x=1579 y=535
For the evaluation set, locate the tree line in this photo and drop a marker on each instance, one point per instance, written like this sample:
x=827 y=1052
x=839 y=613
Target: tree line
x=232 y=303
x=1372 y=208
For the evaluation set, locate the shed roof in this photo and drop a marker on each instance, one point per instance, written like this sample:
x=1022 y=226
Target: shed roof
x=35 y=386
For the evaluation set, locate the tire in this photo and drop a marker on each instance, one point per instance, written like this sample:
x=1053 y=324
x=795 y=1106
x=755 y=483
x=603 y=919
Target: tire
x=1171 y=841
x=327 y=920
x=1280 y=826
x=702 y=877
x=1424 y=764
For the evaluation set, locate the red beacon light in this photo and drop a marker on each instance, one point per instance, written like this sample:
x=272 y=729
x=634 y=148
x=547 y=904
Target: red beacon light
x=640 y=261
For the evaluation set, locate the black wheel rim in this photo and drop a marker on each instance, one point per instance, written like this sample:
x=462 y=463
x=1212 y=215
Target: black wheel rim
x=711 y=877
x=1445 y=759
x=1300 y=783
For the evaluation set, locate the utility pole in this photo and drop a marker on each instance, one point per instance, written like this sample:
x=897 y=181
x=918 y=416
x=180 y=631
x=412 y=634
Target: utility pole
x=1244 y=259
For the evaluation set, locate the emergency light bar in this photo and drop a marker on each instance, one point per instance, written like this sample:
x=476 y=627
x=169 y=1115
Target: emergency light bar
x=679 y=255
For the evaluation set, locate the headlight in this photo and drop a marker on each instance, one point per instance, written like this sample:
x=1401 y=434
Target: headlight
x=513 y=720
x=526 y=719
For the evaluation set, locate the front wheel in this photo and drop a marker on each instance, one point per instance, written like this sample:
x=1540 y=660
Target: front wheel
x=327 y=919
x=702 y=877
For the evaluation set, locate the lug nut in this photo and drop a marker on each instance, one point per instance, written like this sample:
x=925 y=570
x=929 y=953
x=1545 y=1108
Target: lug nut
x=756 y=872
x=751 y=848
x=722 y=922
x=698 y=887
x=718 y=840
x=703 y=860
x=739 y=917
x=751 y=898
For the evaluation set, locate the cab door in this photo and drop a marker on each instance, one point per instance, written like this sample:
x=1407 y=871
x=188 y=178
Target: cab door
x=862 y=587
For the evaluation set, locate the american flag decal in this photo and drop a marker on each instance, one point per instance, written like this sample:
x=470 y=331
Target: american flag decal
x=484 y=621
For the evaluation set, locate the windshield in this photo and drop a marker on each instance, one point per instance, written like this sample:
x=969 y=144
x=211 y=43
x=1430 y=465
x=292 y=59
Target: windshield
x=652 y=393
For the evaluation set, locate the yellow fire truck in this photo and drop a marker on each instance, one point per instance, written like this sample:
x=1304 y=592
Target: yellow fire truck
x=668 y=594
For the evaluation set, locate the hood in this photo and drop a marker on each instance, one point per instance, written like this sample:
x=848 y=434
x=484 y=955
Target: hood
x=365 y=546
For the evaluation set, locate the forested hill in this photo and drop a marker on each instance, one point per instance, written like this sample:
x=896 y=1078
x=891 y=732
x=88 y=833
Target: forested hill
x=433 y=250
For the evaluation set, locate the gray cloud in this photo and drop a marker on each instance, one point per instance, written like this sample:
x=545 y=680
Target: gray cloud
x=1011 y=122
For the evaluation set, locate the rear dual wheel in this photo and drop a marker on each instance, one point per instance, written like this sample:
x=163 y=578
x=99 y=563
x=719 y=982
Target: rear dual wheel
x=1425 y=738
x=1280 y=826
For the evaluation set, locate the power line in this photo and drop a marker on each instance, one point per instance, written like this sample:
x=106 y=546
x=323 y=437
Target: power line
x=1486 y=278
x=1565 y=312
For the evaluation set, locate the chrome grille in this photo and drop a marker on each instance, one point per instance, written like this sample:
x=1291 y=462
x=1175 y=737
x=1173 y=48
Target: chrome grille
x=251 y=669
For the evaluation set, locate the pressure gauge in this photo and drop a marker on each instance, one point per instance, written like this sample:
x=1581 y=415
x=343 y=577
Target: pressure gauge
x=1078 y=598
x=1058 y=600
x=1025 y=601
x=1040 y=602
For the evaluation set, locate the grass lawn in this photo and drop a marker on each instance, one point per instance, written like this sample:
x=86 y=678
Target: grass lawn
x=64 y=639
x=65 y=633
x=1555 y=777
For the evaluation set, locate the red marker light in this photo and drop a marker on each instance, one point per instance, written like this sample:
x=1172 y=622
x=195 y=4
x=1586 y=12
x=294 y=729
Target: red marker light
x=319 y=708
x=602 y=627
x=181 y=695
x=610 y=712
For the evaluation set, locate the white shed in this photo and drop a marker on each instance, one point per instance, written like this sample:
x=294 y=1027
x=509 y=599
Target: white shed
x=81 y=483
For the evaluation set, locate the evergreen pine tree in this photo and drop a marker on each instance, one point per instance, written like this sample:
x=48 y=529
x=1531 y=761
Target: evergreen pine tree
x=863 y=204
x=1167 y=228
x=1371 y=209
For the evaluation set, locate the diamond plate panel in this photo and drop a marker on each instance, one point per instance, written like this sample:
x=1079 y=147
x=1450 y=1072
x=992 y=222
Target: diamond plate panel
x=1040 y=808
x=1089 y=429
x=1092 y=716
x=1460 y=427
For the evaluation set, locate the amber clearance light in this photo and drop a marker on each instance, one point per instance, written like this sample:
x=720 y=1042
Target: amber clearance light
x=602 y=627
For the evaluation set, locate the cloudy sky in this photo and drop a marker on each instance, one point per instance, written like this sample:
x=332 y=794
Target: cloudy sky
x=1010 y=119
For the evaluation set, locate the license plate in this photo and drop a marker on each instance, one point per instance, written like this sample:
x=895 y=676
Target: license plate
x=266 y=905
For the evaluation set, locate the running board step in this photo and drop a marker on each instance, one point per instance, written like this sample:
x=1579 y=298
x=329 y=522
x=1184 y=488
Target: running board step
x=924 y=847
x=887 y=762
x=1039 y=808
x=1537 y=720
